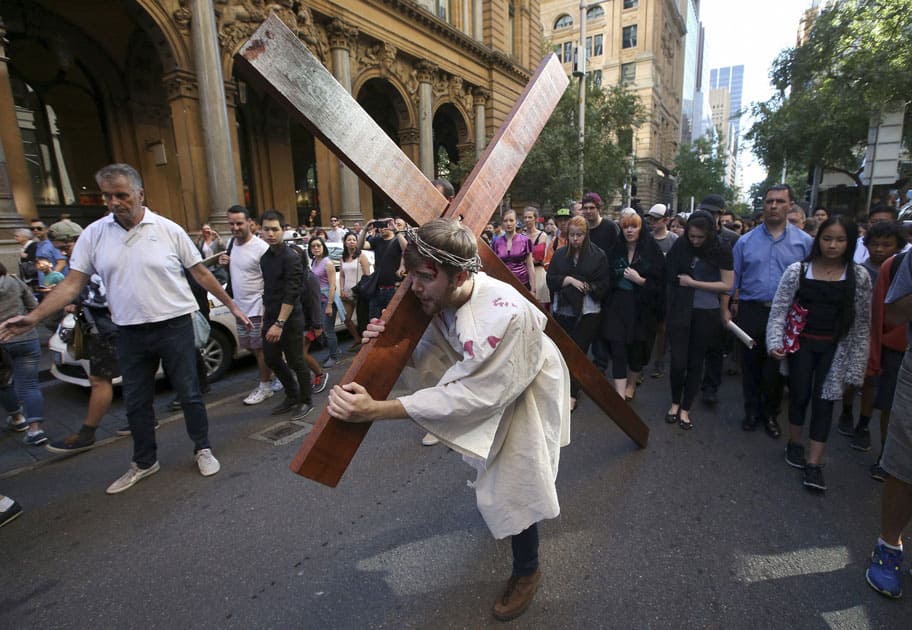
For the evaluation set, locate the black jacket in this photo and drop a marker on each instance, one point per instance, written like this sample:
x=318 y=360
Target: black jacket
x=283 y=274
x=592 y=267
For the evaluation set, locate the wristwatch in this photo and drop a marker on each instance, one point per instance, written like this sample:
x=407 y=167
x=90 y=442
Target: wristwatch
x=280 y=323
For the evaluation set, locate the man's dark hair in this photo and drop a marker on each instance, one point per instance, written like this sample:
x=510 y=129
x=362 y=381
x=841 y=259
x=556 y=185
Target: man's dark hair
x=791 y=191
x=886 y=229
x=883 y=209
x=272 y=215
x=447 y=188
x=239 y=210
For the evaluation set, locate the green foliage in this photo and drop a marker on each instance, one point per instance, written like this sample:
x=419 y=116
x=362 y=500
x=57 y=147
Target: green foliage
x=855 y=65
x=550 y=174
x=700 y=169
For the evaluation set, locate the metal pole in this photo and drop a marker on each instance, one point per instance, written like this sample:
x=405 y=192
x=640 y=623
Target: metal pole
x=873 y=165
x=581 y=69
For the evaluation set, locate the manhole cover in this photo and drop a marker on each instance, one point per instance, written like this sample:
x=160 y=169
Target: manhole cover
x=283 y=432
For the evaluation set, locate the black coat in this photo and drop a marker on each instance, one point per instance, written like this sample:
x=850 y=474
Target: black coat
x=592 y=267
x=634 y=315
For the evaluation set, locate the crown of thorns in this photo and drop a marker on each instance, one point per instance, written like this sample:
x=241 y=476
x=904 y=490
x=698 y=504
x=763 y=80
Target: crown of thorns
x=442 y=256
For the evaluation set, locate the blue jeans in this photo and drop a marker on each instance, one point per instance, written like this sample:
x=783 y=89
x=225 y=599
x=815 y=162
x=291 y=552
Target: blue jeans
x=139 y=349
x=26 y=355
x=329 y=329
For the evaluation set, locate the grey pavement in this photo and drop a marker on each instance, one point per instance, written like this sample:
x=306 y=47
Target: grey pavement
x=702 y=529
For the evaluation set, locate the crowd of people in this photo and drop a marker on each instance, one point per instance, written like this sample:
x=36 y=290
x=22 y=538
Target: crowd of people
x=819 y=303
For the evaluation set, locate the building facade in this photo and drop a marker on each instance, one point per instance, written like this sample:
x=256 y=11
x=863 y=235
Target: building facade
x=640 y=43
x=153 y=83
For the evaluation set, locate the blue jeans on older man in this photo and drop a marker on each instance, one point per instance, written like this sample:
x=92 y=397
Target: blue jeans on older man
x=139 y=350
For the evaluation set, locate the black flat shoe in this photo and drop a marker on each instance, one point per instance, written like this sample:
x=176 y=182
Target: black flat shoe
x=687 y=425
x=772 y=428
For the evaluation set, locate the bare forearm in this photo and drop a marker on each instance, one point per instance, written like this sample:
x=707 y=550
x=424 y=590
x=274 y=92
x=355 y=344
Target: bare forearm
x=387 y=410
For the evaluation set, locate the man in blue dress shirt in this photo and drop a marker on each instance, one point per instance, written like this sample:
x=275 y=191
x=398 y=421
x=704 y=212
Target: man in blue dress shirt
x=761 y=257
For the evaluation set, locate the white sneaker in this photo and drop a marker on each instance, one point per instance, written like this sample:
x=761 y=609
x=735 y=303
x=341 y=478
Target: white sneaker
x=276 y=385
x=207 y=462
x=430 y=439
x=129 y=478
x=261 y=393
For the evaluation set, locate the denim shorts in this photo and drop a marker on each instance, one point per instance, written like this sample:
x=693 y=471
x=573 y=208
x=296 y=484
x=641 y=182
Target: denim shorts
x=897 y=453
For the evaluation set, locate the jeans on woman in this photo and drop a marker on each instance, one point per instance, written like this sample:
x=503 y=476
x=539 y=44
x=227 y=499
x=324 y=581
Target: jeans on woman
x=329 y=329
x=26 y=356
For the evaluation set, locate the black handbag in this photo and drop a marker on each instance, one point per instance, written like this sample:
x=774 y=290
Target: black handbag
x=366 y=288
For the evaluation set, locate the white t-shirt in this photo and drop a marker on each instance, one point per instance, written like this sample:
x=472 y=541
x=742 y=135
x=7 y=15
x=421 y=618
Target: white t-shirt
x=246 y=275
x=143 y=269
x=334 y=235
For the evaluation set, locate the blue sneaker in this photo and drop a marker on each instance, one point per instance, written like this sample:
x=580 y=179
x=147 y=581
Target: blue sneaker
x=885 y=571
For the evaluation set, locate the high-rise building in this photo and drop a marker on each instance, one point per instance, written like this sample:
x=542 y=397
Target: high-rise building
x=639 y=43
x=726 y=86
x=693 y=97
x=88 y=83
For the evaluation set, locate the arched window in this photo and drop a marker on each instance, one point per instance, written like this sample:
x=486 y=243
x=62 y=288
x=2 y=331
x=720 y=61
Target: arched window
x=595 y=12
x=564 y=21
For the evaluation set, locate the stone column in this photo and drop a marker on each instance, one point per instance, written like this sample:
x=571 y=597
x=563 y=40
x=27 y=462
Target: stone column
x=341 y=39
x=207 y=59
x=426 y=71
x=477 y=22
x=480 y=97
x=15 y=183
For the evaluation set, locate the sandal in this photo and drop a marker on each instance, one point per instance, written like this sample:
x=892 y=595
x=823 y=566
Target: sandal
x=687 y=425
x=671 y=418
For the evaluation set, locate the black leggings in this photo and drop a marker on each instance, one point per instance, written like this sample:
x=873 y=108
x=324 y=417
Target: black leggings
x=583 y=332
x=623 y=355
x=689 y=349
x=808 y=369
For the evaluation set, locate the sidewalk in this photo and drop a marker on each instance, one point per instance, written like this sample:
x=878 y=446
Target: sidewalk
x=65 y=406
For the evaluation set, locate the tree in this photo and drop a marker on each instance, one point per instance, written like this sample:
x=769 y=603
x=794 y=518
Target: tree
x=853 y=67
x=550 y=174
x=701 y=169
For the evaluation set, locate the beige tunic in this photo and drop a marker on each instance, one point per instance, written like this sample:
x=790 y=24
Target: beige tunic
x=497 y=390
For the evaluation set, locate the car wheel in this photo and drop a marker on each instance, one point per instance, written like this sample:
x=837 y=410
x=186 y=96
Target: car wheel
x=217 y=354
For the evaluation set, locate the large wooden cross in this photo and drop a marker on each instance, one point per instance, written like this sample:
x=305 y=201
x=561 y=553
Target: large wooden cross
x=275 y=59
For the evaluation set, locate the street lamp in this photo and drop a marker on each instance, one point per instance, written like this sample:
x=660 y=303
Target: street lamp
x=581 y=73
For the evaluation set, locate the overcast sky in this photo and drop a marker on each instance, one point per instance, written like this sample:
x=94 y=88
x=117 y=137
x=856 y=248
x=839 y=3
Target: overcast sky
x=752 y=33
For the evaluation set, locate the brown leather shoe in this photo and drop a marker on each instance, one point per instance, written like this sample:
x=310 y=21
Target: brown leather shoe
x=517 y=596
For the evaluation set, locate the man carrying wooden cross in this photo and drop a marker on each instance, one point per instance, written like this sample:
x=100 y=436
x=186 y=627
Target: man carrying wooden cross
x=490 y=384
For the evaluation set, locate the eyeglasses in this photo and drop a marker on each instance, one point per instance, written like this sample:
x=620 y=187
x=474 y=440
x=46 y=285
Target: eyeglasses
x=38 y=229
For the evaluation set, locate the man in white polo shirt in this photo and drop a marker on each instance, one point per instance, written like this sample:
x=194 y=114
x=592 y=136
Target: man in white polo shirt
x=243 y=261
x=140 y=257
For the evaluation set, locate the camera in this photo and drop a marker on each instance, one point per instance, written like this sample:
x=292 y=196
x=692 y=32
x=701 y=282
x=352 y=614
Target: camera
x=381 y=223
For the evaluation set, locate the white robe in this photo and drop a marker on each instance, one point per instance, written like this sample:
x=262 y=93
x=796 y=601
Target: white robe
x=494 y=387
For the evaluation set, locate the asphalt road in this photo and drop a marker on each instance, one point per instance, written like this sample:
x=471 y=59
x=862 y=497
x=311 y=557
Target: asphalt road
x=703 y=529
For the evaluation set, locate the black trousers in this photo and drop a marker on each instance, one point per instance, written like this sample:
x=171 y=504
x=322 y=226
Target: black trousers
x=689 y=352
x=294 y=375
x=583 y=331
x=525 y=551
x=761 y=382
x=808 y=369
